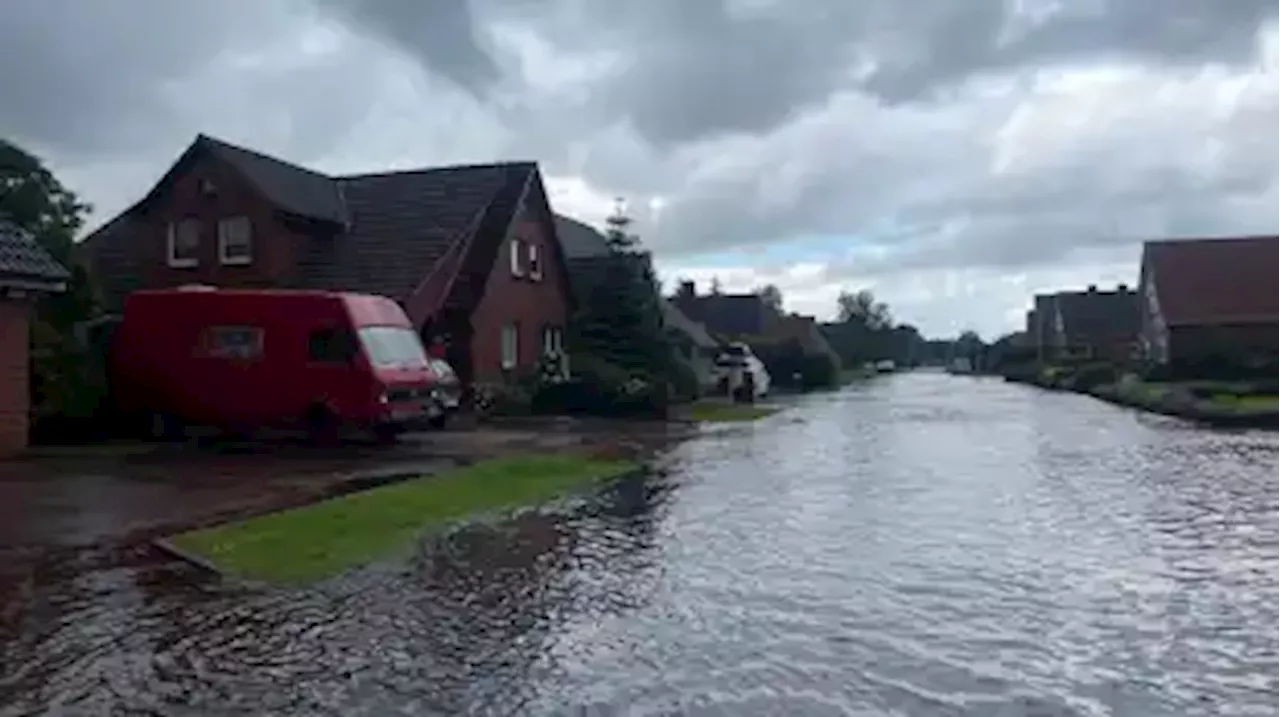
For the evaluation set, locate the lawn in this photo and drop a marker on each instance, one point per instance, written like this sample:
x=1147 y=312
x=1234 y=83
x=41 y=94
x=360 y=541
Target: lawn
x=720 y=412
x=1245 y=404
x=319 y=540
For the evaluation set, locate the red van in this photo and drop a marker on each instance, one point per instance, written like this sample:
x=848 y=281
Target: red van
x=240 y=360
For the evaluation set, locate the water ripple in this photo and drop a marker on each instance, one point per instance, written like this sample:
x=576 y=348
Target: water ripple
x=917 y=545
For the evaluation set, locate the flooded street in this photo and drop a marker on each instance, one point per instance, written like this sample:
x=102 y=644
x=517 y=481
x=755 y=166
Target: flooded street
x=918 y=545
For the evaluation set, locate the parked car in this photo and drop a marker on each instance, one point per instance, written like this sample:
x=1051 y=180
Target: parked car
x=448 y=390
x=737 y=368
x=242 y=360
x=886 y=366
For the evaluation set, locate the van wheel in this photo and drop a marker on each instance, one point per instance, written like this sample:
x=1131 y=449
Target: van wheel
x=161 y=426
x=321 y=424
x=438 y=422
x=386 y=435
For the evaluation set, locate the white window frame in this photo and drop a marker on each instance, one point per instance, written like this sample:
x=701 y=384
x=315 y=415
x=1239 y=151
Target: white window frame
x=517 y=269
x=535 y=263
x=171 y=244
x=552 y=340
x=227 y=237
x=510 y=346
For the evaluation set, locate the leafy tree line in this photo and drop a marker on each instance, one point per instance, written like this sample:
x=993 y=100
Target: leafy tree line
x=65 y=382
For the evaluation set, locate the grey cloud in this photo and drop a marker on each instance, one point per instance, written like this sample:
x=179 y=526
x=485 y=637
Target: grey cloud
x=442 y=33
x=699 y=69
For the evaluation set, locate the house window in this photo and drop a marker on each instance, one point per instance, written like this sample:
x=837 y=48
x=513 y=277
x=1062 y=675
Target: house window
x=235 y=240
x=184 y=244
x=234 y=342
x=552 y=340
x=535 y=263
x=510 y=346
x=517 y=266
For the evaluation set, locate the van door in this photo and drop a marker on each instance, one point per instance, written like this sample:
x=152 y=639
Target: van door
x=332 y=375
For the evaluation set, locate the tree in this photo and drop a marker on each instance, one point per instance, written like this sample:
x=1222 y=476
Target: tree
x=863 y=308
x=771 y=296
x=62 y=382
x=716 y=288
x=620 y=325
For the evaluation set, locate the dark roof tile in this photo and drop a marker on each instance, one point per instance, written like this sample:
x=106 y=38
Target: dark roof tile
x=292 y=188
x=579 y=240
x=22 y=257
x=1099 y=315
x=1215 y=281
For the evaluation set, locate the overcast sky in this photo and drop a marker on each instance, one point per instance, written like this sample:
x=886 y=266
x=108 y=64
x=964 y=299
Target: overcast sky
x=954 y=156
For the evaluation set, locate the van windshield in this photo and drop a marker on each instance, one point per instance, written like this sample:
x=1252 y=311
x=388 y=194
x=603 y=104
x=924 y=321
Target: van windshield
x=392 y=346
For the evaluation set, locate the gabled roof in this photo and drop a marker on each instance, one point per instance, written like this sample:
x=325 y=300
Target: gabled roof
x=295 y=189
x=729 y=314
x=579 y=240
x=22 y=257
x=674 y=318
x=1214 y=281
x=1099 y=314
x=402 y=223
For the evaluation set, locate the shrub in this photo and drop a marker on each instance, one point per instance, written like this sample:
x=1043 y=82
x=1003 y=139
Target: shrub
x=598 y=387
x=1093 y=375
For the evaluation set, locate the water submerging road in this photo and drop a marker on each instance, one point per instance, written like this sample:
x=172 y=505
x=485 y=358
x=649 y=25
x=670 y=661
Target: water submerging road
x=918 y=545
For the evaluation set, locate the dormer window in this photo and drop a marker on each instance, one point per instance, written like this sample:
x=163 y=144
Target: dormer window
x=184 y=244
x=235 y=241
x=517 y=263
x=535 y=263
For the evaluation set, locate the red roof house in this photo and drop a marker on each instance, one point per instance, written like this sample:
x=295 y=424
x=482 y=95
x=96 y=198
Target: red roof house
x=1209 y=298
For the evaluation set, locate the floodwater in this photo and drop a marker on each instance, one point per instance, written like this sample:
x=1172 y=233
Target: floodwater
x=918 y=545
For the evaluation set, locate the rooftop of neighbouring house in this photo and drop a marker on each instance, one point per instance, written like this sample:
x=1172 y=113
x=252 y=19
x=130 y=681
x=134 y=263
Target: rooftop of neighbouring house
x=726 y=314
x=580 y=240
x=22 y=257
x=1214 y=281
x=1096 y=312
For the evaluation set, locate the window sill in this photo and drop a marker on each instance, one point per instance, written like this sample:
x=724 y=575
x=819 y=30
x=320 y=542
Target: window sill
x=183 y=263
x=236 y=261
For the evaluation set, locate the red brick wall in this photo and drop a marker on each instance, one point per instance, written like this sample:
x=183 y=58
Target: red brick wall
x=528 y=303
x=1191 y=343
x=275 y=247
x=14 y=343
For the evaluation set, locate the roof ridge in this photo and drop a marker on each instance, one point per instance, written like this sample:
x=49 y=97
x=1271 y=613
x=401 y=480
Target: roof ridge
x=223 y=144
x=444 y=167
x=1219 y=238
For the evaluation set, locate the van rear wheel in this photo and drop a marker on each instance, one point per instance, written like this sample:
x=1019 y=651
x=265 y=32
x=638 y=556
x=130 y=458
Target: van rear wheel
x=321 y=424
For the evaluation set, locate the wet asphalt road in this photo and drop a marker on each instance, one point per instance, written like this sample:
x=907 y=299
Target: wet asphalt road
x=917 y=545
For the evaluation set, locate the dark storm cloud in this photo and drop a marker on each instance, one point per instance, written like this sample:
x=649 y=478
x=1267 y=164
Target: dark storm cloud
x=442 y=33
x=697 y=69
x=87 y=77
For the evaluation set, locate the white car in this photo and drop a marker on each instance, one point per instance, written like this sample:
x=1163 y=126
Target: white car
x=732 y=367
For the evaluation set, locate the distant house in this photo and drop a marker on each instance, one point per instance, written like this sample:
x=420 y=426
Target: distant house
x=1094 y=324
x=26 y=272
x=1205 y=299
x=695 y=343
x=471 y=252
x=727 y=315
x=587 y=251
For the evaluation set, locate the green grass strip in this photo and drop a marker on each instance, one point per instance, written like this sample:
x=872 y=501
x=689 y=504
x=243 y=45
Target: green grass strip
x=320 y=540
x=710 y=412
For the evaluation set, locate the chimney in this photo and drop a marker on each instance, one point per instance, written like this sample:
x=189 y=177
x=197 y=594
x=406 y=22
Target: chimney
x=1123 y=288
x=1093 y=288
x=687 y=288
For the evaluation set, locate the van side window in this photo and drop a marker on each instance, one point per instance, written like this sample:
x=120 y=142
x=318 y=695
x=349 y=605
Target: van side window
x=238 y=342
x=330 y=346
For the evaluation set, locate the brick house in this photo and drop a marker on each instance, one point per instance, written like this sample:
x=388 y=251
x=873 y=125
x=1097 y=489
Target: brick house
x=1093 y=324
x=470 y=252
x=1208 y=299
x=26 y=271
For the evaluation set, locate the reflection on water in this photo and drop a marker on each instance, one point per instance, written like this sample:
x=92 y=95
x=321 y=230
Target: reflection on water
x=916 y=545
